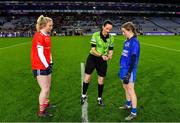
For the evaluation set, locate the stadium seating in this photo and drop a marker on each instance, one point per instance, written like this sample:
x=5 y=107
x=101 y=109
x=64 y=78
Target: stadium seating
x=70 y=19
x=67 y=25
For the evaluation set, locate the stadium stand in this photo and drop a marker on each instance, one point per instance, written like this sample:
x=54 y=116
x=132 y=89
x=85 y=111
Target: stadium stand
x=80 y=18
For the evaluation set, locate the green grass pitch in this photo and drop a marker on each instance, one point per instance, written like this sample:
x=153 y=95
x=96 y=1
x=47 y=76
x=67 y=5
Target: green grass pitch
x=157 y=85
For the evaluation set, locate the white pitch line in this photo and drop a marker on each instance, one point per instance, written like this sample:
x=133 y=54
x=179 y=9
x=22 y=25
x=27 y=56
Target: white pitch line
x=14 y=45
x=165 y=48
x=84 y=116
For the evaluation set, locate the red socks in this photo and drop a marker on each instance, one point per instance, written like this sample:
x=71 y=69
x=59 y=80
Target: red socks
x=46 y=102
x=43 y=106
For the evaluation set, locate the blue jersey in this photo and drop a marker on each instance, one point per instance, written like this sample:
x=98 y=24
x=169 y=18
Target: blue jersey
x=131 y=46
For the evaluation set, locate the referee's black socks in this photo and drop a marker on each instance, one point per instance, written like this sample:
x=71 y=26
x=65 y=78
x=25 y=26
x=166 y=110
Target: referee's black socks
x=100 y=90
x=85 y=87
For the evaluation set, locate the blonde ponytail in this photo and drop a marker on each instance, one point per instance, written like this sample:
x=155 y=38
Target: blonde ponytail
x=41 y=22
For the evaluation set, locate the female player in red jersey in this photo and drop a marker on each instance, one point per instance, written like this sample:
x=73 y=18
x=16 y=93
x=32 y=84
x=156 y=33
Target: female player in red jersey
x=41 y=61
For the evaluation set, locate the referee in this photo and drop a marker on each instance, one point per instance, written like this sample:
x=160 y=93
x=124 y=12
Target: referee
x=102 y=44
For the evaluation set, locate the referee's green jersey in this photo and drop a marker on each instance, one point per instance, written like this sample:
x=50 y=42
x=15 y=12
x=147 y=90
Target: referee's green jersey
x=102 y=46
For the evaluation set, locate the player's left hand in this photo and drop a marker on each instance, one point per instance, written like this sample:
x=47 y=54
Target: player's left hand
x=126 y=78
x=49 y=69
x=51 y=64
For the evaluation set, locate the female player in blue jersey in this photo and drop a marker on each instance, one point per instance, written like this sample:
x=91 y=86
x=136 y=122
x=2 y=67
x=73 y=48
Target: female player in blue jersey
x=128 y=65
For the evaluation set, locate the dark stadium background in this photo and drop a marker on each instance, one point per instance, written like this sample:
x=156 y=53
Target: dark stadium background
x=19 y=16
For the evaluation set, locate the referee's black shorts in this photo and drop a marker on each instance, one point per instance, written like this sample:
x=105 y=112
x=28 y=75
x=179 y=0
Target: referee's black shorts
x=98 y=63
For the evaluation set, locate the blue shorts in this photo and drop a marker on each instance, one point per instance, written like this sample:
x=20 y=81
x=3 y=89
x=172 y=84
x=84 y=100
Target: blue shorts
x=123 y=72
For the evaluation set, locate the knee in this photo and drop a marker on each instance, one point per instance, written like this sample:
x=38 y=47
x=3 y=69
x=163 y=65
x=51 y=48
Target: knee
x=130 y=89
x=46 y=89
x=101 y=81
x=87 y=78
